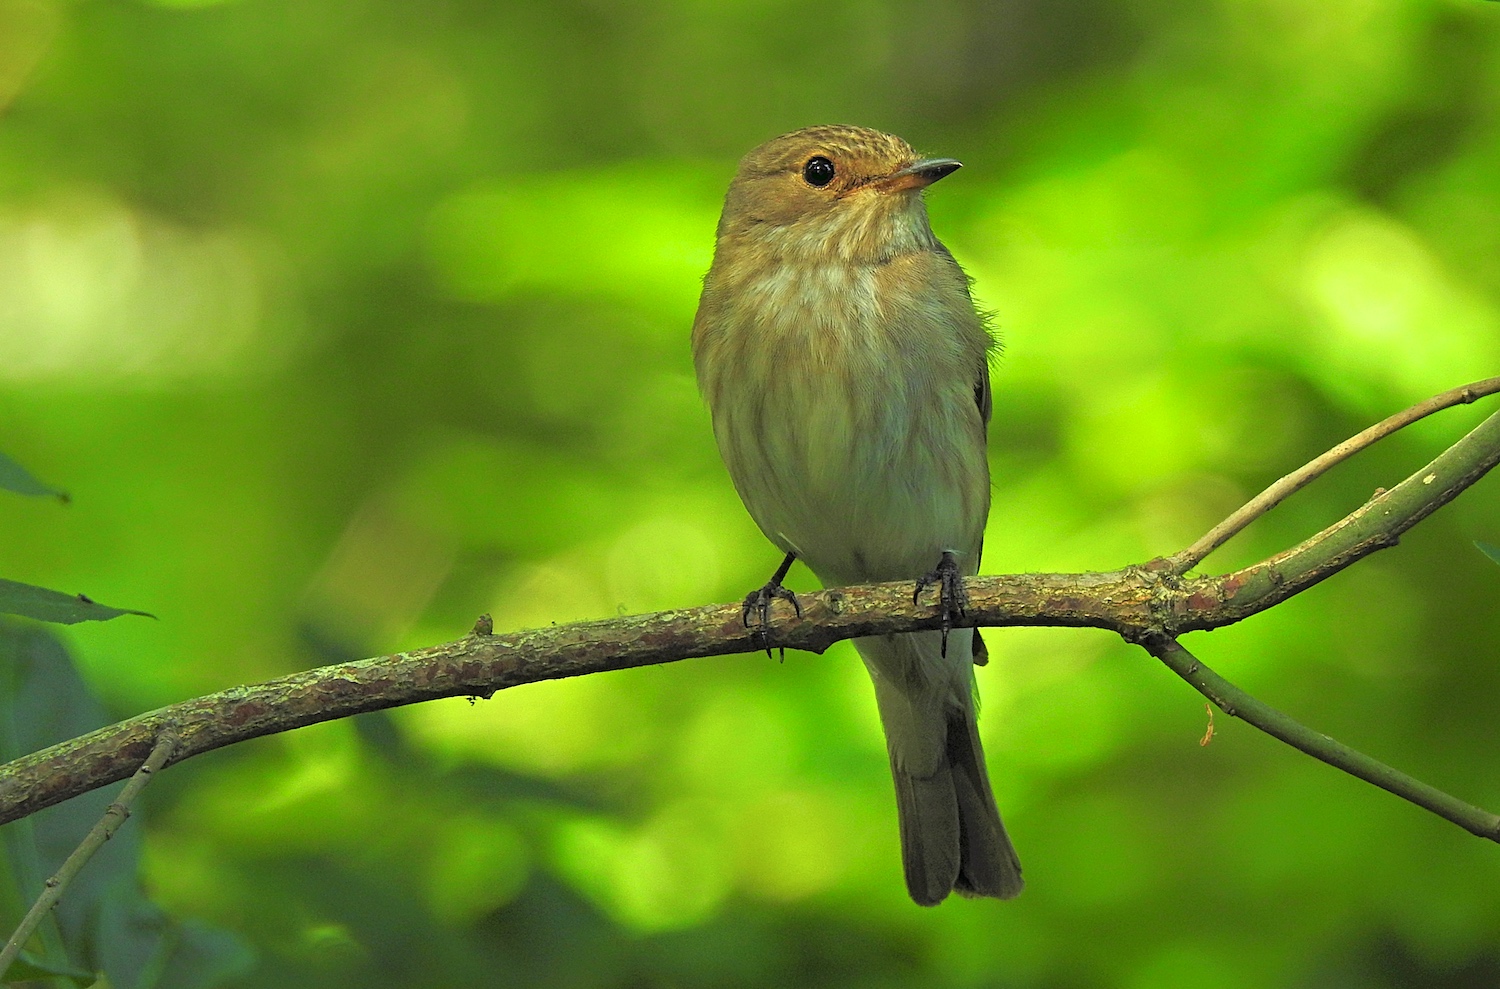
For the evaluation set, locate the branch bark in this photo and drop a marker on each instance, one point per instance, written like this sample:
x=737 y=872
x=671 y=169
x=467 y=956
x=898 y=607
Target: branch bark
x=1144 y=604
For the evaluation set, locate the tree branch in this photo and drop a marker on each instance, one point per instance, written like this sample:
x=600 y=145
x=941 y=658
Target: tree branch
x=1139 y=603
x=1377 y=524
x=1298 y=479
x=1237 y=704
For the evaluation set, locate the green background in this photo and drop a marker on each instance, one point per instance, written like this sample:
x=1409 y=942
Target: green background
x=345 y=322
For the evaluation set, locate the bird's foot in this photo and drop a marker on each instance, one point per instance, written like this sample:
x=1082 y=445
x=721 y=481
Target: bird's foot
x=758 y=604
x=952 y=598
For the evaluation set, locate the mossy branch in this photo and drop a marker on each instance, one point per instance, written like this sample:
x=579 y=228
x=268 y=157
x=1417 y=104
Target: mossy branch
x=1149 y=604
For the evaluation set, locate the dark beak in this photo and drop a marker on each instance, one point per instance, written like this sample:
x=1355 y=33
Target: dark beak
x=920 y=174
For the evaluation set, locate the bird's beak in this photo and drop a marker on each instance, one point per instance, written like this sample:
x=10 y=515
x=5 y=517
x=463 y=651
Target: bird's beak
x=919 y=174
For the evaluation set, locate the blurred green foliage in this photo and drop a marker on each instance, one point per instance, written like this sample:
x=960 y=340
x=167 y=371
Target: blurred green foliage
x=344 y=323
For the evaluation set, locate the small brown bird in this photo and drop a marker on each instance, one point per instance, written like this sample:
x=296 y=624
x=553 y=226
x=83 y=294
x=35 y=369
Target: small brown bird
x=847 y=373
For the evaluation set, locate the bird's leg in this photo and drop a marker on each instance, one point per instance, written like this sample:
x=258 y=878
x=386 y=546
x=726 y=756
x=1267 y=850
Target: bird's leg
x=758 y=602
x=952 y=598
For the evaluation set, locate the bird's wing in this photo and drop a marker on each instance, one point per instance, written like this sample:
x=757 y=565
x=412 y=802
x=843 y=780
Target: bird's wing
x=982 y=392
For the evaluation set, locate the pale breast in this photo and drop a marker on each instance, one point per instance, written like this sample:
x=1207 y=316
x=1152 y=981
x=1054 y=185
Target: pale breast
x=843 y=399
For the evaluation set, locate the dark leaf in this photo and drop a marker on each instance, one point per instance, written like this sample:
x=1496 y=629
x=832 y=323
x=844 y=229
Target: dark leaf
x=105 y=921
x=182 y=955
x=54 y=606
x=28 y=969
x=1489 y=549
x=43 y=700
x=14 y=477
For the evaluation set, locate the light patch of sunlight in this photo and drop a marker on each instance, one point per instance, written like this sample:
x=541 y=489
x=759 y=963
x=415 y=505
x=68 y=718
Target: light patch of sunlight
x=92 y=292
x=664 y=561
x=477 y=865
x=565 y=589
x=1028 y=659
x=554 y=728
x=378 y=577
x=740 y=743
x=670 y=873
x=1140 y=196
x=1172 y=517
x=1059 y=261
x=857 y=696
x=1388 y=314
x=792 y=844
x=1136 y=434
x=188 y=873
x=331 y=944
x=1044 y=702
x=1030 y=522
x=307 y=792
x=1357 y=46
x=643 y=233
x=317 y=763
x=27 y=28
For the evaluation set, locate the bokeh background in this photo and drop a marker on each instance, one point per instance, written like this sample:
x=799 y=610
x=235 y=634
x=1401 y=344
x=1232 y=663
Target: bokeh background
x=345 y=322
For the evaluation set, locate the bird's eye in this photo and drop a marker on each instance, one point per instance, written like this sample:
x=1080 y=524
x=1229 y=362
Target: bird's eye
x=818 y=171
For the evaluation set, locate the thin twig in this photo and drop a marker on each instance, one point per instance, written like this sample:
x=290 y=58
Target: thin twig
x=1377 y=524
x=101 y=832
x=1237 y=704
x=1300 y=478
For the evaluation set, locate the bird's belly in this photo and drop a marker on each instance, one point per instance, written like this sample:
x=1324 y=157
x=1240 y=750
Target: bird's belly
x=861 y=485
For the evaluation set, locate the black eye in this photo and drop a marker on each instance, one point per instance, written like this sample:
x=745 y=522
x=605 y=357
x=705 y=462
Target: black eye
x=818 y=171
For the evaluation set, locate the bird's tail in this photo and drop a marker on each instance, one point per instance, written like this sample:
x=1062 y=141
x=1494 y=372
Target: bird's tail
x=951 y=834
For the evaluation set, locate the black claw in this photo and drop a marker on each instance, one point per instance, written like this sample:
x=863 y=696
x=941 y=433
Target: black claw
x=758 y=603
x=952 y=597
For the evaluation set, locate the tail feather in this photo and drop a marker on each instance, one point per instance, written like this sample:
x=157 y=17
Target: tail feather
x=931 y=833
x=988 y=865
x=951 y=834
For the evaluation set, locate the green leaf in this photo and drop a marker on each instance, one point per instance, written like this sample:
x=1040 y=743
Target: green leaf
x=55 y=606
x=14 y=477
x=29 y=969
x=1489 y=549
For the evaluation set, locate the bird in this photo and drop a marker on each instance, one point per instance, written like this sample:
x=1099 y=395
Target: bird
x=846 y=372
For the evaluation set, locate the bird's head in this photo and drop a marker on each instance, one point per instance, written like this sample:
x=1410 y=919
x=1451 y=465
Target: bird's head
x=835 y=192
